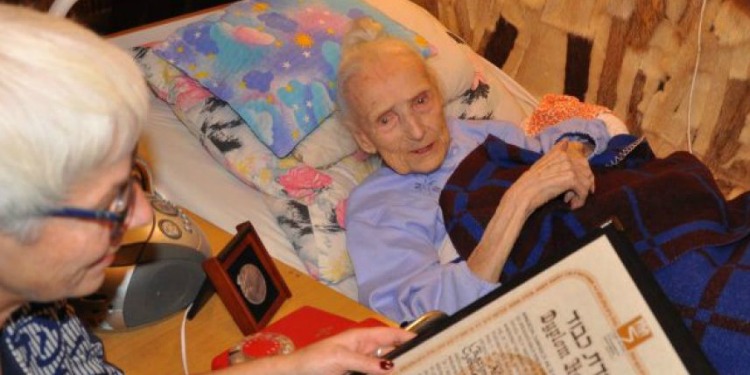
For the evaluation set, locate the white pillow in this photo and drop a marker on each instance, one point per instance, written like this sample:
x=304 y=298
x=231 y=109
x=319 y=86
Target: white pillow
x=329 y=143
x=454 y=69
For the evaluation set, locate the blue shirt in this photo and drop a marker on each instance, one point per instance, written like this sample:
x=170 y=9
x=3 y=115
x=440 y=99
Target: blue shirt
x=49 y=339
x=403 y=259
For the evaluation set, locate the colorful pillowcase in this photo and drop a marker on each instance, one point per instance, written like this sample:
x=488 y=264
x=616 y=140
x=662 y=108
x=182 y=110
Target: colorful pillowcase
x=274 y=62
x=306 y=201
x=225 y=135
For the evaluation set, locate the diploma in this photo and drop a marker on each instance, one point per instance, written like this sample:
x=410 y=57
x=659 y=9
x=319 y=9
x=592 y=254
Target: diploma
x=595 y=309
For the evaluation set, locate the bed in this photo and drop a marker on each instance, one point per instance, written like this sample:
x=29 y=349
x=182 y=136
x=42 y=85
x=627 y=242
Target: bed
x=197 y=163
x=207 y=184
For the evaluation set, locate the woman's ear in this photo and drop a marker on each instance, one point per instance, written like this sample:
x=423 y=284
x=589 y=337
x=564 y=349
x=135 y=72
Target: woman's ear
x=364 y=142
x=362 y=139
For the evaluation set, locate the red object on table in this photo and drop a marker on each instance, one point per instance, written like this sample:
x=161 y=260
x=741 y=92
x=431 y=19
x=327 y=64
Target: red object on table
x=302 y=327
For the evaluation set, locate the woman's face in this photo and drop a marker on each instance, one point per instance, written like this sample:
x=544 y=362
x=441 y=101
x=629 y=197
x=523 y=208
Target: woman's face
x=71 y=255
x=398 y=113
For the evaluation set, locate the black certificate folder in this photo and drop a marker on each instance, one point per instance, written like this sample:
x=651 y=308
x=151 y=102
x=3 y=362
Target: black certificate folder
x=594 y=309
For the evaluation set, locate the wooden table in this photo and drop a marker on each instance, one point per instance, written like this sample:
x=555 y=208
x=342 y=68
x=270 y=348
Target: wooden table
x=155 y=348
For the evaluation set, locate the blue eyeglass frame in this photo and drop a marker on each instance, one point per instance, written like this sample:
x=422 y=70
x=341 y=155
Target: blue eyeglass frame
x=82 y=213
x=125 y=195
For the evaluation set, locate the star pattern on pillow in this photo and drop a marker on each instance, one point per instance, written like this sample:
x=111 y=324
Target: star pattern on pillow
x=274 y=62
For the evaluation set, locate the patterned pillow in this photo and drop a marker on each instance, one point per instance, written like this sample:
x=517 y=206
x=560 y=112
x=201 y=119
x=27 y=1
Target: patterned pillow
x=306 y=201
x=274 y=61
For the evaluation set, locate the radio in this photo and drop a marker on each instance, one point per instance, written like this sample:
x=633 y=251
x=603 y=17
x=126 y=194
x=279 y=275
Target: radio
x=157 y=270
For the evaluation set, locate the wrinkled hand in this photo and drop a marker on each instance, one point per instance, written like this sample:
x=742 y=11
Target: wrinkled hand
x=352 y=350
x=563 y=170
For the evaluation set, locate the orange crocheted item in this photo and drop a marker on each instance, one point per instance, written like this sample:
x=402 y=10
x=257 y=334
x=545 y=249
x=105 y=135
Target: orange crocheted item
x=554 y=108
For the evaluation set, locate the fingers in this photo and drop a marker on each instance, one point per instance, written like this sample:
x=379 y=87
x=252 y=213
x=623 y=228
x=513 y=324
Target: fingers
x=574 y=200
x=327 y=357
x=563 y=170
x=583 y=184
x=365 y=364
x=580 y=149
x=569 y=195
x=561 y=145
x=575 y=147
x=354 y=350
x=368 y=340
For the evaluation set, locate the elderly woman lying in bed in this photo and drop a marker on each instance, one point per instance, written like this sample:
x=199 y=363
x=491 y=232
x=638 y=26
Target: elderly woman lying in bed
x=460 y=206
x=404 y=261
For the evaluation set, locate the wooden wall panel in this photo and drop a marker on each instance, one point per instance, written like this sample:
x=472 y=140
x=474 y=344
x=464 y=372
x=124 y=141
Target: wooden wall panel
x=640 y=61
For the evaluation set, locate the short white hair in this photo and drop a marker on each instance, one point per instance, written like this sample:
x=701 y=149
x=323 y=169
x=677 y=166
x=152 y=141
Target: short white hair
x=70 y=103
x=365 y=39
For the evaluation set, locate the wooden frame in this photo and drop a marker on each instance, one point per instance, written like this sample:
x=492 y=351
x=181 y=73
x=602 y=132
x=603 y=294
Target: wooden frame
x=247 y=280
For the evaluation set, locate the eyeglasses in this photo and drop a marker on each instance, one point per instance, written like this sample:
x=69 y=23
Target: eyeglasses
x=118 y=214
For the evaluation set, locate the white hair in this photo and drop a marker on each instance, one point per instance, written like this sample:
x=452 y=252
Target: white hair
x=365 y=40
x=70 y=103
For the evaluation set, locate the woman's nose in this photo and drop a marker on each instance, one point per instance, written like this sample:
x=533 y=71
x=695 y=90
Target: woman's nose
x=142 y=211
x=415 y=130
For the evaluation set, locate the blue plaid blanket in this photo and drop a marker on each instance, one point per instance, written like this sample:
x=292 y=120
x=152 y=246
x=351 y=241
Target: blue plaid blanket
x=695 y=242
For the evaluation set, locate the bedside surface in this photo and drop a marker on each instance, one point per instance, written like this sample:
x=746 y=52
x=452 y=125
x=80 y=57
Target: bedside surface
x=155 y=348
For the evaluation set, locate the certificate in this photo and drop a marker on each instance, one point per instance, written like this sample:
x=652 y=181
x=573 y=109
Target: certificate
x=594 y=310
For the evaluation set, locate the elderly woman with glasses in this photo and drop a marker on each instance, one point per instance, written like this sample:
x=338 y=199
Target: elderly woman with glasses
x=72 y=109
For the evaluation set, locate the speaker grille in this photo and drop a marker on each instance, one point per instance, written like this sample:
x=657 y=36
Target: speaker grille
x=159 y=289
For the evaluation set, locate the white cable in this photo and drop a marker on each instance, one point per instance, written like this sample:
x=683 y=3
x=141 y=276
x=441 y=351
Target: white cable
x=183 y=347
x=692 y=83
x=60 y=8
